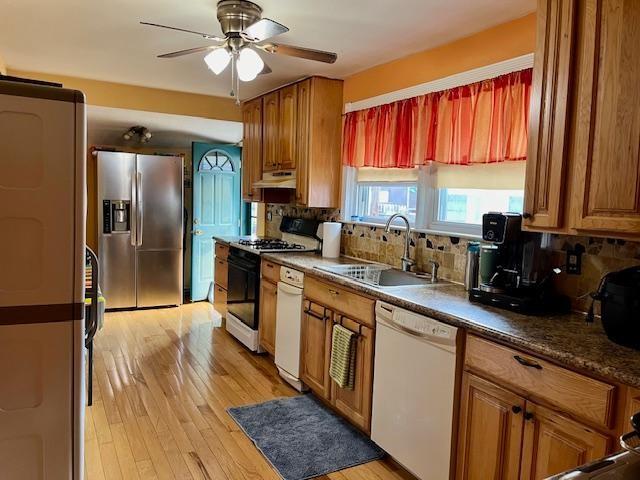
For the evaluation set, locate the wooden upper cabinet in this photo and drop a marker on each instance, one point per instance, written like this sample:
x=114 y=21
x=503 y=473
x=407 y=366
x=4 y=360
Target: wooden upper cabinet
x=550 y=121
x=303 y=140
x=301 y=130
x=324 y=160
x=490 y=434
x=270 y=130
x=607 y=130
x=251 y=149
x=288 y=127
x=553 y=443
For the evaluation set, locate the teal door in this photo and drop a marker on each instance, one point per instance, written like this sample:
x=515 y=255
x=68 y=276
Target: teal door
x=216 y=208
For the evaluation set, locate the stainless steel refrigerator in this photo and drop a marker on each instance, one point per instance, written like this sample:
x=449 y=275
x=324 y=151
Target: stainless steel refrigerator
x=140 y=229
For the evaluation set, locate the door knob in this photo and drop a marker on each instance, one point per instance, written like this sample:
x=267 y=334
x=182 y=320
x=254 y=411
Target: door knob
x=197 y=232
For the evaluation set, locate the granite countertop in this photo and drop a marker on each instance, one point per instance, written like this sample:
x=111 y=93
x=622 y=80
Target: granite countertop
x=227 y=239
x=567 y=339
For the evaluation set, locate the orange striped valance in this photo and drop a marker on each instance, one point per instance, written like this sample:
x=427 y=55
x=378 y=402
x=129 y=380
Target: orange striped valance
x=484 y=122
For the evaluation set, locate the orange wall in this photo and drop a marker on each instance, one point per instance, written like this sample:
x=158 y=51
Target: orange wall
x=119 y=95
x=496 y=44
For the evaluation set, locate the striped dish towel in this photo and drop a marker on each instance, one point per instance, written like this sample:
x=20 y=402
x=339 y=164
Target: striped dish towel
x=343 y=356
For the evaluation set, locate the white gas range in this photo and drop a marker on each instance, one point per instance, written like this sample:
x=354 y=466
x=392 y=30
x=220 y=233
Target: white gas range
x=243 y=294
x=273 y=245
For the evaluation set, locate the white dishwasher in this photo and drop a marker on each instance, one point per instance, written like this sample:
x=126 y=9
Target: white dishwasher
x=414 y=386
x=289 y=325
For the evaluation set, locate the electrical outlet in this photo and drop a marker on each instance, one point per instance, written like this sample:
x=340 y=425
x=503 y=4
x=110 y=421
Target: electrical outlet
x=574 y=260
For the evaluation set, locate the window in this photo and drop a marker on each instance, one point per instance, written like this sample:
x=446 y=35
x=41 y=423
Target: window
x=446 y=198
x=467 y=205
x=380 y=193
x=253 y=218
x=216 y=160
x=379 y=201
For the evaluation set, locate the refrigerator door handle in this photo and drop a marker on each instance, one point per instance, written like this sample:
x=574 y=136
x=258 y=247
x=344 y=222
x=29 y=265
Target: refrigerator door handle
x=140 y=216
x=133 y=208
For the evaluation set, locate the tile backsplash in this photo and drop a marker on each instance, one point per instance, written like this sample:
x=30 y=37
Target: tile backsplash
x=601 y=255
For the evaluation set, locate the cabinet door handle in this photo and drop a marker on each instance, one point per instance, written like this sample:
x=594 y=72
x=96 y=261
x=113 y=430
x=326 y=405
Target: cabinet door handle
x=528 y=416
x=315 y=315
x=527 y=363
x=516 y=409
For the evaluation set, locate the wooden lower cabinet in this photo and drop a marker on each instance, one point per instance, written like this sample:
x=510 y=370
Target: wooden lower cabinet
x=355 y=404
x=317 y=327
x=502 y=436
x=491 y=429
x=267 y=323
x=632 y=406
x=553 y=443
x=316 y=348
x=219 y=295
x=220 y=274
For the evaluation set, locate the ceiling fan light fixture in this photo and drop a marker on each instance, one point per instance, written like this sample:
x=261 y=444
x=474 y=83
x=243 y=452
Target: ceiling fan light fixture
x=249 y=64
x=217 y=60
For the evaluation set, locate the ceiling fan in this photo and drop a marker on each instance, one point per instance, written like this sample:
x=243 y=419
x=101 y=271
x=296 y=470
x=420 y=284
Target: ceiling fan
x=245 y=33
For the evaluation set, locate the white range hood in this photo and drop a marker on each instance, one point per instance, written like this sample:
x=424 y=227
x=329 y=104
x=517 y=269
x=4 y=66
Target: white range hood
x=279 y=179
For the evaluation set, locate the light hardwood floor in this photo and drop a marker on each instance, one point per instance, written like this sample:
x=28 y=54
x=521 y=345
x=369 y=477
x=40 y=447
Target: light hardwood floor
x=163 y=379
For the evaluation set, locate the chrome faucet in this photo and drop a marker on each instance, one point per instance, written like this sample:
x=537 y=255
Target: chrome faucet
x=407 y=263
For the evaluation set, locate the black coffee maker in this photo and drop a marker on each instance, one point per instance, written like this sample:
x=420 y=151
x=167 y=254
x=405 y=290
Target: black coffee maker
x=501 y=260
x=515 y=268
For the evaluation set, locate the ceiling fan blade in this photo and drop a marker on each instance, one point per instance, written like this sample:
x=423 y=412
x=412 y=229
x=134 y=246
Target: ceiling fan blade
x=205 y=35
x=188 y=51
x=300 y=52
x=262 y=30
x=265 y=70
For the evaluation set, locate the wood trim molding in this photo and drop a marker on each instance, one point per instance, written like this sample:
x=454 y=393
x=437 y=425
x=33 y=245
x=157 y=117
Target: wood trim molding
x=29 y=314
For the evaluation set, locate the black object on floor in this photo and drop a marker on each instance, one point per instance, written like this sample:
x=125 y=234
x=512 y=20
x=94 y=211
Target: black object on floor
x=303 y=439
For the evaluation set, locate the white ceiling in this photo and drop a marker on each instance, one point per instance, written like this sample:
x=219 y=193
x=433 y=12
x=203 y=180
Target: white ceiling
x=102 y=39
x=106 y=125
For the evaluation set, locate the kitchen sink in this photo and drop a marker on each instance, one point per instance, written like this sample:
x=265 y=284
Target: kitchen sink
x=381 y=275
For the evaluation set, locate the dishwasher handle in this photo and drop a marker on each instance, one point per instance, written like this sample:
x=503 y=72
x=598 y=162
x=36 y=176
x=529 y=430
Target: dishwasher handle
x=290 y=289
x=384 y=310
x=424 y=328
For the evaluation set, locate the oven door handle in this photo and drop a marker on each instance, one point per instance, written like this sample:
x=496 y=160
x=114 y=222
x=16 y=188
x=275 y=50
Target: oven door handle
x=246 y=266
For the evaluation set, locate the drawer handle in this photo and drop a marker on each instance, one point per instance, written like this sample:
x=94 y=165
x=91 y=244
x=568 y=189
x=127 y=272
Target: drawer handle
x=269 y=265
x=516 y=409
x=334 y=292
x=315 y=315
x=527 y=363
